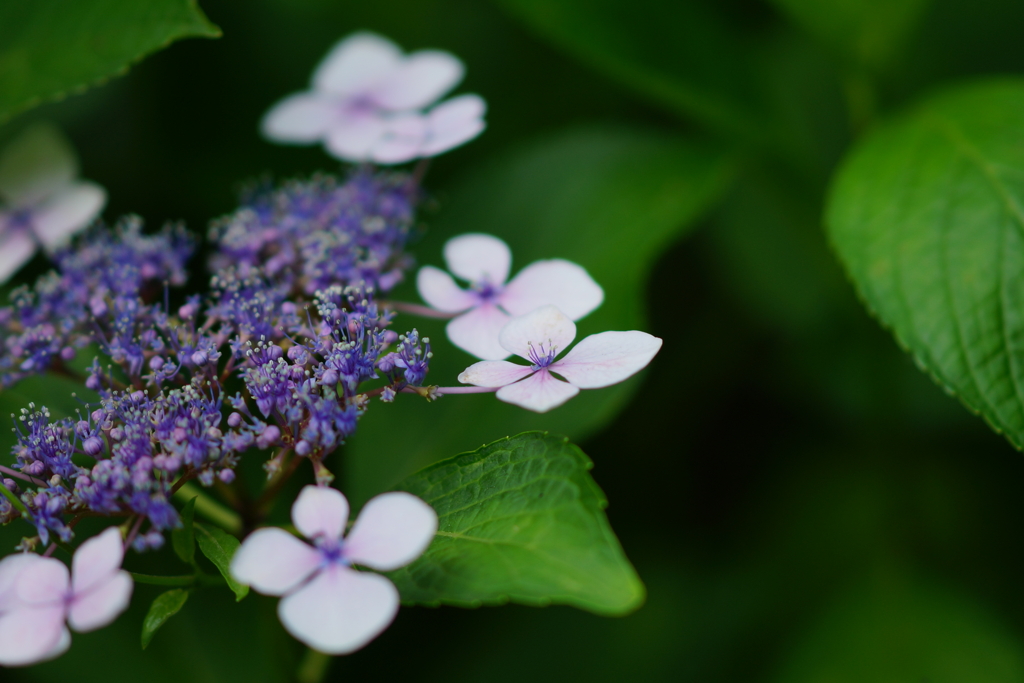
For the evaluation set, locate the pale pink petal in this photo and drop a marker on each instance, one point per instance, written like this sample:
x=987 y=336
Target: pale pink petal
x=301 y=118
x=439 y=290
x=556 y=282
x=402 y=140
x=356 y=63
x=340 y=610
x=477 y=330
x=453 y=123
x=11 y=568
x=494 y=373
x=31 y=635
x=273 y=561
x=101 y=604
x=478 y=258
x=352 y=139
x=70 y=210
x=36 y=164
x=320 y=511
x=545 y=330
x=421 y=78
x=540 y=392
x=47 y=583
x=607 y=358
x=61 y=647
x=97 y=560
x=17 y=247
x=392 y=530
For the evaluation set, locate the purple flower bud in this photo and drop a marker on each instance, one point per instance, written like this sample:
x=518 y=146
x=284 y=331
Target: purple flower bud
x=329 y=378
x=155 y=363
x=303 y=448
x=186 y=311
x=200 y=358
x=234 y=419
x=93 y=382
x=288 y=308
x=227 y=476
x=274 y=352
x=93 y=445
x=67 y=353
x=297 y=353
x=390 y=336
x=270 y=436
x=138 y=396
x=116 y=433
x=98 y=306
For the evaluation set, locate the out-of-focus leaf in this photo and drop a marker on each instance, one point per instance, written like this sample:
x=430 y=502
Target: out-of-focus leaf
x=219 y=547
x=609 y=199
x=927 y=217
x=163 y=608
x=869 y=31
x=519 y=520
x=898 y=629
x=50 y=48
x=184 y=538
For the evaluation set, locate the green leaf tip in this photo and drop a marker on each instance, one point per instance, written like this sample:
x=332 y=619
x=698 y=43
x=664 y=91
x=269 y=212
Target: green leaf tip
x=219 y=547
x=163 y=608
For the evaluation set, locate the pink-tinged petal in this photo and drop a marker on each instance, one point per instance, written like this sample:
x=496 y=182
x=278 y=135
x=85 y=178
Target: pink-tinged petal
x=320 y=511
x=477 y=330
x=402 y=140
x=543 y=331
x=31 y=635
x=478 y=258
x=46 y=584
x=11 y=568
x=453 y=123
x=607 y=358
x=439 y=290
x=555 y=282
x=273 y=561
x=392 y=530
x=301 y=118
x=71 y=210
x=36 y=164
x=494 y=373
x=101 y=604
x=61 y=647
x=340 y=610
x=540 y=392
x=96 y=561
x=355 y=63
x=421 y=78
x=353 y=139
x=17 y=247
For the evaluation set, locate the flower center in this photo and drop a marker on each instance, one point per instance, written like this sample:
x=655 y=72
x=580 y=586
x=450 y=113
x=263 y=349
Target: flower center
x=19 y=219
x=330 y=551
x=541 y=356
x=485 y=291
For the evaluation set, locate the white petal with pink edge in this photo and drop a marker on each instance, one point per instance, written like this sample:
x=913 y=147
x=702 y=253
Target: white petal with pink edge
x=17 y=247
x=554 y=282
x=353 y=139
x=100 y=604
x=273 y=561
x=10 y=569
x=453 y=123
x=96 y=560
x=494 y=373
x=320 y=511
x=340 y=610
x=478 y=258
x=47 y=583
x=36 y=164
x=402 y=139
x=540 y=392
x=301 y=118
x=542 y=330
x=419 y=80
x=356 y=63
x=392 y=530
x=70 y=210
x=31 y=635
x=477 y=330
x=607 y=358
x=440 y=291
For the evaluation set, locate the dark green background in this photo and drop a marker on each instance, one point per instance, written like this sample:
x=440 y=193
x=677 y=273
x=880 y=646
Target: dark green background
x=802 y=503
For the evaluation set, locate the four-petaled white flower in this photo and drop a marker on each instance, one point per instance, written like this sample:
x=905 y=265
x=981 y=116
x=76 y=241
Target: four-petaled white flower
x=489 y=303
x=600 y=360
x=367 y=101
x=41 y=200
x=37 y=596
x=328 y=605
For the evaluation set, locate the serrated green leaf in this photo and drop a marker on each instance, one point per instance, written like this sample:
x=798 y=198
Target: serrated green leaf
x=184 y=539
x=219 y=547
x=163 y=608
x=926 y=215
x=610 y=199
x=520 y=520
x=51 y=48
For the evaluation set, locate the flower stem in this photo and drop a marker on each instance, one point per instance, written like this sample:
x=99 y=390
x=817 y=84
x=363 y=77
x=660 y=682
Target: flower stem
x=417 y=309
x=313 y=667
x=181 y=580
x=210 y=508
x=9 y=495
x=24 y=477
x=441 y=391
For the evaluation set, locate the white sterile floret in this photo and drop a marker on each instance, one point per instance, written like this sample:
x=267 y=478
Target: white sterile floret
x=327 y=604
x=490 y=302
x=600 y=360
x=42 y=202
x=368 y=102
x=37 y=596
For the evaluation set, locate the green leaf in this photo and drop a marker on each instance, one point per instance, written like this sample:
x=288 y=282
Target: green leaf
x=51 y=48
x=219 y=547
x=519 y=520
x=868 y=31
x=184 y=539
x=926 y=215
x=610 y=199
x=163 y=608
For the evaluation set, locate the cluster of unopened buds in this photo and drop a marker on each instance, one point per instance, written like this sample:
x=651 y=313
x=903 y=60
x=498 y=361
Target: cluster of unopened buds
x=276 y=357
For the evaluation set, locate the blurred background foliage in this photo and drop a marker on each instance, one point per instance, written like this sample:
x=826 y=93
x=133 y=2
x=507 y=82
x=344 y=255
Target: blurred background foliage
x=802 y=503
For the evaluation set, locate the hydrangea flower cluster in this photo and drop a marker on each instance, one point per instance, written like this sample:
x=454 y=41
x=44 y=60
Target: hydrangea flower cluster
x=278 y=359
